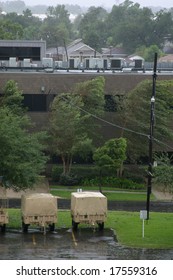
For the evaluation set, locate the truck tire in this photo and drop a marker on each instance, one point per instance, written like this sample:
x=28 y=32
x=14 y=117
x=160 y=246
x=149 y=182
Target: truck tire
x=25 y=227
x=101 y=226
x=52 y=227
x=74 y=225
x=3 y=228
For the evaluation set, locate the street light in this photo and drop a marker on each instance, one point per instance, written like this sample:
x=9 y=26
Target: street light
x=152 y=117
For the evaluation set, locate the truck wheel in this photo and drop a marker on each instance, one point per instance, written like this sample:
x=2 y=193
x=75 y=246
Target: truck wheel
x=74 y=226
x=101 y=226
x=52 y=227
x=3 y=228
x=25 y=227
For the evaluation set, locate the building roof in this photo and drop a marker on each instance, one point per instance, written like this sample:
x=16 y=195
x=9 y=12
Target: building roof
x=117 y=51
x=135 y=57
x=166 y=58
x=55 y=51
x=168 y=48
x=74 y=49
x=77 y=47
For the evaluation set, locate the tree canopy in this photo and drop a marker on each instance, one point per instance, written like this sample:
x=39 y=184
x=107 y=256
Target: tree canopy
x=164 y=166
x=126 y=25
x=93 y=97
x=22 y=153
x=136 y=117
x=112 y=154
x=12 y=98
x=66 y=128
x=56 y=28
x=72 y=126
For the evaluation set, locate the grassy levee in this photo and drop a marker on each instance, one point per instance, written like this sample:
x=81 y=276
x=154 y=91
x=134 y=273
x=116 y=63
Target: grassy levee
x=111 y=195
x=126 y=225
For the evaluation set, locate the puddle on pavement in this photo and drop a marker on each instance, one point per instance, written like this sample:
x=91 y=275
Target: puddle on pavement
x=65 y=244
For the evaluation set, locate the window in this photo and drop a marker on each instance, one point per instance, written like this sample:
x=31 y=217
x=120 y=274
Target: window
x=20 y=52
x=35 y=102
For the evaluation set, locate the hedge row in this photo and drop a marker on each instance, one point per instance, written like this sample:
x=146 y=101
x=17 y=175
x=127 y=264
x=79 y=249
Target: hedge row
x=82 y=171
x=89 y=175
x=113 y=182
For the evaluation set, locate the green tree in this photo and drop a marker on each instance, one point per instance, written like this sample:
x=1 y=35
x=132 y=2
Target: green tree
x=133 y=27
x=111 y=155
x=10 y=30
x=23 y=26
x=147 y=52
x=72 y=125
x=66 y=128
x=27 y=13
x=56 y=28
x=136 y=117
x=92 y=27
x=12 y=98
x=163 y=27
x=31 y=25
x=93 y=97
x=163 y=167
x=32 y=32
x=22 y=153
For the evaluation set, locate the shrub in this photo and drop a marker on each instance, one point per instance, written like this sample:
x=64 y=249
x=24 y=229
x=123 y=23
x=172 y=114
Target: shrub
x=113 y=182
x=135 y=173
x=88 y=175
x=81 y=171
x=57 y=170
x=68 y=180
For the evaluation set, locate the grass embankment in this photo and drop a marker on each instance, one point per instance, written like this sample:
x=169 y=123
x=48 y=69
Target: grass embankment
x=126 y=225
x=111 y=194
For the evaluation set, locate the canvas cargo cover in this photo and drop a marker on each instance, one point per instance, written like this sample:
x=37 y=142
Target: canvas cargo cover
x=3 y=217
x=39 y=204
x=90 y=203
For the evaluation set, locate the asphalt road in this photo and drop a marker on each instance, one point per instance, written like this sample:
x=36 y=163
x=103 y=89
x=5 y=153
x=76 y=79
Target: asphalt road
x=155 y=206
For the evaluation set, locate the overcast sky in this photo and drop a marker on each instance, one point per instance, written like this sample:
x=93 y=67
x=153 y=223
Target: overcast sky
x=107 y=3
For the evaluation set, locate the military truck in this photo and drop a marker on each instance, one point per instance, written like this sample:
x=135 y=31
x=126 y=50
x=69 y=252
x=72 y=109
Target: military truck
x=39 y=209
x=89 y=208
x=3 y=219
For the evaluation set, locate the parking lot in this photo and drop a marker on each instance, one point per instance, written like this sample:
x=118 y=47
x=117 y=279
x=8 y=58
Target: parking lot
x=87 y=243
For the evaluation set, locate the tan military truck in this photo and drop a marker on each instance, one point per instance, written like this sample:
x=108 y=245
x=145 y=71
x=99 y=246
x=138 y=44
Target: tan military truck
x=39 y=209
x=89 y=208
x=3 y=219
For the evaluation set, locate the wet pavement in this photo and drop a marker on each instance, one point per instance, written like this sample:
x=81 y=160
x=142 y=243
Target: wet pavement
x=64 y=244
x=85 y=244
x=155 y=206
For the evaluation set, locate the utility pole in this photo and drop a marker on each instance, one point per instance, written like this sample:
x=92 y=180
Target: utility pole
x=152 y=118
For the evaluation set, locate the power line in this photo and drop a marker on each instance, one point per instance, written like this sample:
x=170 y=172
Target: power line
x=112 y=124
x=164 y=144
x=118 y=126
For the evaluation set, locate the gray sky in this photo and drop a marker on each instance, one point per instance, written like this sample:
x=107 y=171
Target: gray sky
x=107 y=3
